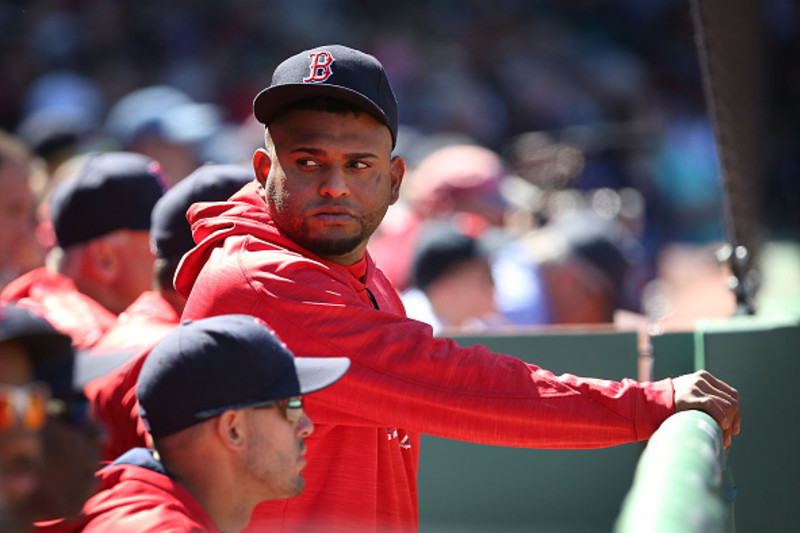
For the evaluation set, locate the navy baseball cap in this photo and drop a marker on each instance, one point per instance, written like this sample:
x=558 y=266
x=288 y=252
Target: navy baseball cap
x=331 y=70
x=441 y=246
x=40 y=339
x=223 y=362
x=54 y=359
x=170 y=232
x=111 y=191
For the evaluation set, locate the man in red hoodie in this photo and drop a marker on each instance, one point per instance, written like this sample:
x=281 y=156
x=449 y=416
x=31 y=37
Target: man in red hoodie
x=155 y=312
x=222 y=399
x=102 y=263
x=291 y=249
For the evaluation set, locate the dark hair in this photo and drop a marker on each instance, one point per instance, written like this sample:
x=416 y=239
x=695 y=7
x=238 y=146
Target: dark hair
x=163 y=273
x=326 y=104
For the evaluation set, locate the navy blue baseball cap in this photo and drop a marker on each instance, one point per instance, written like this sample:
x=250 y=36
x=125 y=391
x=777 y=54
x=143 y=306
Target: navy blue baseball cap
x=54 y=359
x=441 y=246
x=335 y=71
x=111 y=191
x=223 y=362
x=40 y=339
x=170 y=232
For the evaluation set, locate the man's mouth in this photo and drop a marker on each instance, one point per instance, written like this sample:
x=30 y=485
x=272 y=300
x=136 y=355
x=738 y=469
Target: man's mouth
x=333 y=215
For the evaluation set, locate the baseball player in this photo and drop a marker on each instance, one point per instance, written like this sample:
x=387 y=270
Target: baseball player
x=291 y=249
x=155 y=312
x=103 y=261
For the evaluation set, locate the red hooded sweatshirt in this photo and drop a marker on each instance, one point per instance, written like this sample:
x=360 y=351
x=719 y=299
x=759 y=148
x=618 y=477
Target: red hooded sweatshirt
x=55 y=297
x=136 y=496
x=113 y=396
x=363 y=454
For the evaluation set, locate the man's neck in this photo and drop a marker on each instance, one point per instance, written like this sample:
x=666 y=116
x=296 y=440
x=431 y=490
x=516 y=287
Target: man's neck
x=220 y=499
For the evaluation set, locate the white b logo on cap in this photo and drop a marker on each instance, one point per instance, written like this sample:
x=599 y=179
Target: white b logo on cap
x=320 y=67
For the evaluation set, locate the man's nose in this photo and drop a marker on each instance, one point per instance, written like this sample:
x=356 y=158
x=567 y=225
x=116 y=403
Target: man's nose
x=304 y=426
x=335 y=183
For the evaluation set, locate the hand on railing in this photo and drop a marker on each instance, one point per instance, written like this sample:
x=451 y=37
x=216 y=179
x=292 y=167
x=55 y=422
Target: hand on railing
x=704 y=392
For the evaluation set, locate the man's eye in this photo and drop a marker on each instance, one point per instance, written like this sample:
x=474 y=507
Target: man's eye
x=307 y=163
x=359 y=165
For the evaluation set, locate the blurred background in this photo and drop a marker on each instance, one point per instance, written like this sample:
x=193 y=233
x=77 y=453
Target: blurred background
x=599 y=99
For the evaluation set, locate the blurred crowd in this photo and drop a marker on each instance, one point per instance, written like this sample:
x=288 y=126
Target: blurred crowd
x=561 y=166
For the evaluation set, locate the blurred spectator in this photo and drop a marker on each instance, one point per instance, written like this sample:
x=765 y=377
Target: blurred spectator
x=691 y=284
x=164 y=124
x=586 y=261
x=26 y=343
x=49 y=449
x=103 y=261
x=452 y=289
x=61 y=117
x=453 y=179
x=72 y=440
x=457 y=180
x=155 y=313
x=20 y=173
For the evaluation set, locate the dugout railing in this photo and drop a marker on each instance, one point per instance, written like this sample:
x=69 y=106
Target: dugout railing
x=469 y=487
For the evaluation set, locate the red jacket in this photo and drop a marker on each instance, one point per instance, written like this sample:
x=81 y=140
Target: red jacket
x=136 y=496
x=113 y=396
x=363 y=454
x=56 y=298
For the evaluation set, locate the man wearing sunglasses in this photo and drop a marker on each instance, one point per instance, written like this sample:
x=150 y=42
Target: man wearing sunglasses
x=26 y=343
x=222 y=399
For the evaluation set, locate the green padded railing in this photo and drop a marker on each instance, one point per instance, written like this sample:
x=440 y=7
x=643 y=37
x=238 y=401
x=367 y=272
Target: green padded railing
x=682 y=482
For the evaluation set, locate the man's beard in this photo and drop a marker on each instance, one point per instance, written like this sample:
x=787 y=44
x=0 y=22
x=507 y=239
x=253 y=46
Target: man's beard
x=326 y=247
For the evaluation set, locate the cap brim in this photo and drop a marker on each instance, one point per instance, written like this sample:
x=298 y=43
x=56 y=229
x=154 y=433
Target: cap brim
x=315 y=373
x=89 y=366
x=272 y=100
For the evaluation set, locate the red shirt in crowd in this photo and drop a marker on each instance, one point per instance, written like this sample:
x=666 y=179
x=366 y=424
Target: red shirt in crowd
x=55 y=297
x=113 y=396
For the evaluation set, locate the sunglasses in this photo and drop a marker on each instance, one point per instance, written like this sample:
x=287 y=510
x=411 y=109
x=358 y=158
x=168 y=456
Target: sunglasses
x=23 y=405
x=292 y=408
x=74 y=411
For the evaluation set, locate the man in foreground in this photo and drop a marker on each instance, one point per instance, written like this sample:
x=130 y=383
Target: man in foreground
x=222 y=399
x=291 y=249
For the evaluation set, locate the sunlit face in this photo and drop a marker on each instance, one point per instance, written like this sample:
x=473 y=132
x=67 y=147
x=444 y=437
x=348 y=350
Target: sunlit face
x=275 y=459
x=475 y=292
x=16 y=211
x=135 y=274
x=329 y=179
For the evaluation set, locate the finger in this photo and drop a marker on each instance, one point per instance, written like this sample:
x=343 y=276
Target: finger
x=716 y=388
x=719 y=411
x=737 y=423
x=720 y=385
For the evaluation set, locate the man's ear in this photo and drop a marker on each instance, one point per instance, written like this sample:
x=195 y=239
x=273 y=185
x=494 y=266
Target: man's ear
x=397 y=172
x=262 y=165
x=231 y=429
x=100 y=261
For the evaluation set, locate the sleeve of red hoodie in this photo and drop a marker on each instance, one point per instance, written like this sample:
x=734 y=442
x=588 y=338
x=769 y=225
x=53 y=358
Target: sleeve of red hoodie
x=401 y=375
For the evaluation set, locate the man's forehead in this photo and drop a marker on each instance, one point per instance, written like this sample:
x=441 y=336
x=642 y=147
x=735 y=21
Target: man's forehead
x=321 y=129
